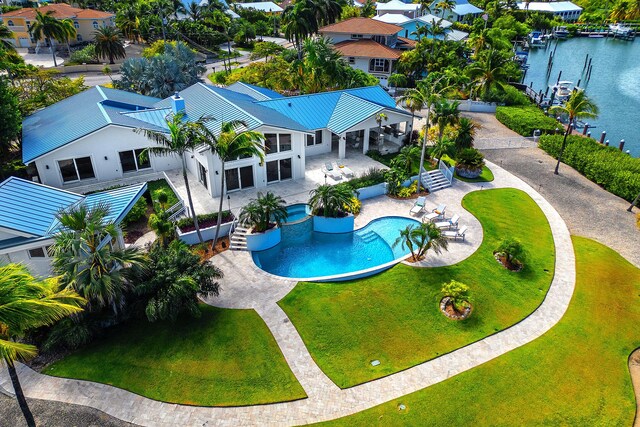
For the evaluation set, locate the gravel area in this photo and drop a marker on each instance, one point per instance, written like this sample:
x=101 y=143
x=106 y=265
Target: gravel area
x=55 y=414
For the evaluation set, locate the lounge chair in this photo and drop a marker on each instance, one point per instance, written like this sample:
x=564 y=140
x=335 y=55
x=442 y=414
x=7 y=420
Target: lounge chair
x=418 y=206
x=344 y=169
x=328 y=169
x=450 y=224
x=437 y=213
x=455 y=234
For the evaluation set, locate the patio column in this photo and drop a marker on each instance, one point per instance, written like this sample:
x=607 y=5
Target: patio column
x=365 y=143
x=342 y=146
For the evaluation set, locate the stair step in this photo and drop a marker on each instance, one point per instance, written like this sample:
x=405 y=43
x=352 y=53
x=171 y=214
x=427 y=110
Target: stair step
x=242 y=229
x=235 y=237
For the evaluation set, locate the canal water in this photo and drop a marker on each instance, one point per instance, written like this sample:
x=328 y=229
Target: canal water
x=614 y=84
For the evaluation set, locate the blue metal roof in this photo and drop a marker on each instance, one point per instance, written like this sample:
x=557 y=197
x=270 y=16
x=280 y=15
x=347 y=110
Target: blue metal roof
x=30 y=208
x=350 y=111
x=256 y=92
x=77 y=116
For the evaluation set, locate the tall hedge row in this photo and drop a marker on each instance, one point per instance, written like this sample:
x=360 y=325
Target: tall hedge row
x=615 y=171
x=525 y=120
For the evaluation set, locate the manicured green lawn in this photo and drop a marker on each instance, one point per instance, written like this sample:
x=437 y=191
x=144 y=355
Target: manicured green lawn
x=225 y=358
x=574 y=375
x=393 y=317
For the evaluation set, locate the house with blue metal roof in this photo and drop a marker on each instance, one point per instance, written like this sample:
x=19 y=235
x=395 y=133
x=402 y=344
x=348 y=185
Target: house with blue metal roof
x=96 y=138
x=463 y=11
x=28 y=217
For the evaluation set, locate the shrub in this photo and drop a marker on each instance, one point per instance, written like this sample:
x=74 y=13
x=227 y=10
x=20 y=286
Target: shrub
x=459 y=294
x=513 y=250
x=510 y=96
x=394 y=178
x=85 y=55
x=371 y=177
x=354 y=207
x=470 y=158
x=608 y=167
x=204 y=220
x=406 y=192
x=158 y=190
x=525 y=120
x=415 y=137
x=138 y=211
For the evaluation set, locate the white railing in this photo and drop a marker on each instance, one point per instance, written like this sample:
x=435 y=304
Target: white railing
x=446 y=170
x=426 y=180
x=177 y=210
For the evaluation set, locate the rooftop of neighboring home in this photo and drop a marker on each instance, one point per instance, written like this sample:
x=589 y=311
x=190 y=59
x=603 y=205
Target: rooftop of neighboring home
x=392 y=18
x=263 y=6
x=398 y=5
x=60 y=11
x=553 y=6
x=462 y=7
x=361 y=26
x=28 y=210
x=366 y=48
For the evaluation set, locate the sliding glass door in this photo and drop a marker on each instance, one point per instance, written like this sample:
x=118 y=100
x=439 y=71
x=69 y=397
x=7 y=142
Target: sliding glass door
x=279 y=170
x=239 y=178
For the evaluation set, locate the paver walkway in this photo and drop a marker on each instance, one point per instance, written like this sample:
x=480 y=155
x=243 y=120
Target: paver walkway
x=325 y=400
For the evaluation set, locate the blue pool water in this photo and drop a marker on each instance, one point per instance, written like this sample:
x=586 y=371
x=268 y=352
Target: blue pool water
x=303 y=253
x=297 y=212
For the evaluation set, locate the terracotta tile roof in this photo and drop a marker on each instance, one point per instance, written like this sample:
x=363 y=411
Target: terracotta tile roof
x=407 y=42
x=361 y=26
x=366 y=48
x=60 y=11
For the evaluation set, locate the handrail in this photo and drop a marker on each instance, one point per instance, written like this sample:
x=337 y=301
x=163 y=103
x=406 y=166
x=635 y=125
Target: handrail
x=446 y=170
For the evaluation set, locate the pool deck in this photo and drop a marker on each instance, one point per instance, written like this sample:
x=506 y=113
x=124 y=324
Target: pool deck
x=245 y=286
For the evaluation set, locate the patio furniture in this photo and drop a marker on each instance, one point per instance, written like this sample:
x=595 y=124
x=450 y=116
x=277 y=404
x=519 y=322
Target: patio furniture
x=345 y=170
x=452 y=223
x=328 y=169
x=455 y=234
x=418 y=206
x=437 y=213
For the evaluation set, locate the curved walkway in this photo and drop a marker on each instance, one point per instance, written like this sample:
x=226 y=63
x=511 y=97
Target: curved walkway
x=326 y=401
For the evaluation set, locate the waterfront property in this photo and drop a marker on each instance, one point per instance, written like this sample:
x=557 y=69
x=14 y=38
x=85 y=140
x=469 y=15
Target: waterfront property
x=410 y=26
x=462 y=11
x=565 y=10
x=28 y=220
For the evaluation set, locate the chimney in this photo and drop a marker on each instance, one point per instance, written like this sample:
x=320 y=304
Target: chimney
x=177 y=103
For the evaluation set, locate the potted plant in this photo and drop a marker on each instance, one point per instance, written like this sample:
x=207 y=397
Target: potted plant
x=263 y=216
x=469 y=163
x=331 y=206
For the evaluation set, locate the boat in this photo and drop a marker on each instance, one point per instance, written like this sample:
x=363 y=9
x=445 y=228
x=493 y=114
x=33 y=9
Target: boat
x=620 y=30
x=563 y=90
x=536 y=39
x=561 y=32
x=596 y=36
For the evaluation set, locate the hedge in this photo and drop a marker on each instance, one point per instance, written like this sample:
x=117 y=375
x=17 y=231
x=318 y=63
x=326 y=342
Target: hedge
x=204 y=220
x=615 y=171
x=525 y=120
x=161 y=185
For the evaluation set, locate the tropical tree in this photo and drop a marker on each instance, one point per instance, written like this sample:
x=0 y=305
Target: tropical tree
x=86 y=261
x=407 y=159
x=327 y=11
x=380 y=117
x=195 y=11
x=5 y=35
x=299 y=22
x=47 y=27
x=445 y=113
x=488 y=72
x=165 y=229
x=323 y=66
x=578 y=106
x=11 y=122
x=26 y=304
x=442 y=147
x=263 y=211
x=109 y=44
x=458 y=293
x=265 y=50
x=420 y=238
x=368 y=9
x=68 y=32
x=175 y=280
x=128 y=21
x=331 y=201
x=443 y=6
x=465 y=133
x=513 y=250
x=233 y=141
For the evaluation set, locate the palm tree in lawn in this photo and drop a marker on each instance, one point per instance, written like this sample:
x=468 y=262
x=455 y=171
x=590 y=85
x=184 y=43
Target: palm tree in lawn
x=298 y=22
x=445 y=113
x=233 y=141
x=488 y=72
x=420 y=238
x=47 y=27
x=27 y=303
x=578 y=106
x=180 y=140
x=86 y=262
x=6 y=33
x=68 y=32
x=109 y=44
x=425 y=95
x=331 y=201
x=445 y=6
x=128 y=22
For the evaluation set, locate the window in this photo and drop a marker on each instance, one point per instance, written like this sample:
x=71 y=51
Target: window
x=314 y=139
x=42 y=252
x=379 y=65
x=380 y=39
x=9 y=23
x=239 y=178
x=76 y=169
x=285 y=142
x=356 y=36
x=79 y=38
x=132 y=160
x=76 y=24
x=95 y=24
x=279 y=170
x=276 y=143
x=352 y=60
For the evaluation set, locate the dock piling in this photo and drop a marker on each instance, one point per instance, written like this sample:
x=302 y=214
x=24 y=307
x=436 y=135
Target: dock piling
x=603 y=136
x=621 y=146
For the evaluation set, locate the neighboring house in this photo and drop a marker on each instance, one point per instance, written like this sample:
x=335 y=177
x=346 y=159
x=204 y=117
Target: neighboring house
x=89 y=139
x=410 y=26
x=28 y=221
x=397 y=7
x=368 y=45
x=565 y=10
x=263 y=6
x=463 y=11
x=86 y=22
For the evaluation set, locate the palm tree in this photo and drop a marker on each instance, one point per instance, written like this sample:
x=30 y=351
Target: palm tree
x=195 y=11
x=327 y=11
x=86 y=261
x=425 y=95
x=181 y=139
x=478 y=41
x=298 y=22
x=443 y=147
x=233 y=141
x=407 y=159
x=165 y=229
x=445 y=113
x=68 y=32
x=466 y=132
x=128 y=22
x=578 y=106
x=420 y=238
x=263 y=211
x=6 y=33
x=331 y=201
x=380 y=117
x=445 y=6
x=26 y=304
x=322 y=65
x=109 y=44
x=490 y=71
x=48 y=27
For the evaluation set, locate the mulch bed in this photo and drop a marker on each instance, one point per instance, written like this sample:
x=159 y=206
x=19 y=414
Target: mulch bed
x=205 y=252
x=502 y=259
x=137 y=229
x=206 y=223
x=446 y=307
x=413 y=196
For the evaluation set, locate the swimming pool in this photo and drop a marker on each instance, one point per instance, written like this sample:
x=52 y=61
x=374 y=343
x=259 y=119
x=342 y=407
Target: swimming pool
x=305 y=254
x=297 y=212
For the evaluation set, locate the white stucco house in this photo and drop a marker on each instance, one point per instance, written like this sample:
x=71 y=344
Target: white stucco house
x=463 y=11
x=565 y=10
x=91 y=138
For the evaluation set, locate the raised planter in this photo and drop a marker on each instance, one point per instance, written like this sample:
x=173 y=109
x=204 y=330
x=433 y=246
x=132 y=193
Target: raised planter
x=265 y=240
x=191 y=237
x=372 y=191
x=323 y=224
x=468 y=173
